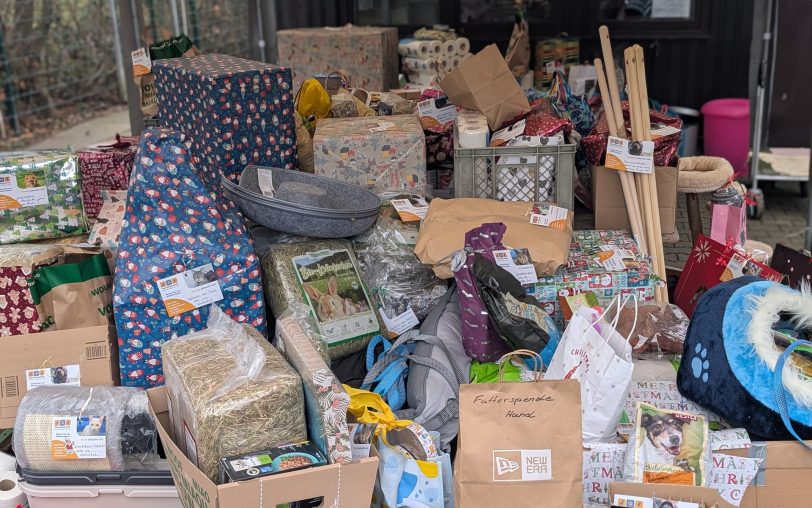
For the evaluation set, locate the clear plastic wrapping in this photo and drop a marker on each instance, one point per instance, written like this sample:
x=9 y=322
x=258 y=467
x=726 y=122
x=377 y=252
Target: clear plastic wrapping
x=395 y=277
x=76 y=428
x=230 y=392
x=661 y=328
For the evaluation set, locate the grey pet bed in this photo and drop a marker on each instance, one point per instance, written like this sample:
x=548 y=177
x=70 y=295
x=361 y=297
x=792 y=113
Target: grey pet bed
x=305 y=204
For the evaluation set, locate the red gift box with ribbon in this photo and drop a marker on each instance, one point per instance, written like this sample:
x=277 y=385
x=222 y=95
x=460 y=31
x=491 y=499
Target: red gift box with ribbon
x=106 y=167
x=712 y=263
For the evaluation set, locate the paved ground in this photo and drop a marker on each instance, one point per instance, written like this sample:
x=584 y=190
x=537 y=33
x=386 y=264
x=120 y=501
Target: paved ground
x=784 y=221
x=97 y=130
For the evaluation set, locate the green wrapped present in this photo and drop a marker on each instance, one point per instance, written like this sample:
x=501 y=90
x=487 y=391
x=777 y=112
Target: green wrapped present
x=40 y=197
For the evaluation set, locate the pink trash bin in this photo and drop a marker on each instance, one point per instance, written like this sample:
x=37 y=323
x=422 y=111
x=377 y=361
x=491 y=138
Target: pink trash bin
x=727 y=131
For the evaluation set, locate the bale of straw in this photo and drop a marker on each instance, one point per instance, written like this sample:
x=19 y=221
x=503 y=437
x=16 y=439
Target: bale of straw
x=216 y=409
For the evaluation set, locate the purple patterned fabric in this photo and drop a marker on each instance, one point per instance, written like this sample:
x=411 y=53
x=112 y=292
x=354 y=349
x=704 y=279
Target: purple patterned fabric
x=479 y=337
x=236 y=112
x=175 y=224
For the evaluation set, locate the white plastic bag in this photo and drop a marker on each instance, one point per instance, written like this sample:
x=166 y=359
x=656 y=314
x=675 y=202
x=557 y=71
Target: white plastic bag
x=592 y=352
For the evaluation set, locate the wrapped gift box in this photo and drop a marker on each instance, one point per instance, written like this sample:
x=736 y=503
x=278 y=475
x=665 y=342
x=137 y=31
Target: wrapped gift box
x=236 y=112
x=381 y=154
x=105 y=168
x=586 y=272
x=368 y=54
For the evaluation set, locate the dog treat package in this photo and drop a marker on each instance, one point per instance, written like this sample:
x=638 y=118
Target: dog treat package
x=230 y=391
x=106 y=167
x=398 y=282
x=326 y=401
x=76 y=428
x=235 y=111
x=380 y=154
x=323 y=275
x=40 y=196
x=668 y=447
x=182 y=248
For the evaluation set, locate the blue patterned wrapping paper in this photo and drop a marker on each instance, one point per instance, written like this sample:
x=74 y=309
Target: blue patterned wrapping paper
x=175 y=222
x=377 y=153
x=236 y=112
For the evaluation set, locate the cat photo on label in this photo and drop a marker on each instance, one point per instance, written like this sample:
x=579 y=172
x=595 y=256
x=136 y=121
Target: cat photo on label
x=91 y=426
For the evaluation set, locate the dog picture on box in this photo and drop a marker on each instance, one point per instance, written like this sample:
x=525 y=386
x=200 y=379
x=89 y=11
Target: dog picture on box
x=669 y=446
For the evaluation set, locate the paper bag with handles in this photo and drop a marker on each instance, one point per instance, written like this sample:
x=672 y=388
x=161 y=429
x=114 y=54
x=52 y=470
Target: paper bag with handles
x=74 y=292
x=520 y=443
x=484 y=83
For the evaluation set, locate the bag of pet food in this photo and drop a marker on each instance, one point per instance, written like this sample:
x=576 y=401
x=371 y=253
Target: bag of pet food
x=668 y=447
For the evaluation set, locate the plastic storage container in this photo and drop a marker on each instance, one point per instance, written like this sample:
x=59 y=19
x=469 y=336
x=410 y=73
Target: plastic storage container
x=515 y=173
x=727 y=131
x=107 y=496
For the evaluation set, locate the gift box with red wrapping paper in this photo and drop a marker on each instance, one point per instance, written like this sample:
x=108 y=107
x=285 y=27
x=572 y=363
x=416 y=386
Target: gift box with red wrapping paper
x=106 y=167
x=712 y=263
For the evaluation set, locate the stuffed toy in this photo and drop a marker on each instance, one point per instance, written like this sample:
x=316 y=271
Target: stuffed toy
x=736 y=341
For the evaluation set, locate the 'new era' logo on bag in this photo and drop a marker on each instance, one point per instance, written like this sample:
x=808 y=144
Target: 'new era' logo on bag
x=522 y=465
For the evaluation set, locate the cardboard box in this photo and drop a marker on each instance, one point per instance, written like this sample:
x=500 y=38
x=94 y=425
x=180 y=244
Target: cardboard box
x=368 y=54
x=92 y=350
x=342 y=486
x=783 y=482
x=234 y=112
x=610 y=207
x=377 y=153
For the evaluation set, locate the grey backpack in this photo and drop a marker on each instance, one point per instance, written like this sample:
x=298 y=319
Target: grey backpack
x=436 y=369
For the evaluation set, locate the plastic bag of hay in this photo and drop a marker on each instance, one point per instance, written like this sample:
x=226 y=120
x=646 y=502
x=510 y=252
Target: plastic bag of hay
x=230 y=392
x=40 y=196
x=323 y=275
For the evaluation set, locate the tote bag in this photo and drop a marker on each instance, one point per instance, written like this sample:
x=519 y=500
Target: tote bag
x=601 y=359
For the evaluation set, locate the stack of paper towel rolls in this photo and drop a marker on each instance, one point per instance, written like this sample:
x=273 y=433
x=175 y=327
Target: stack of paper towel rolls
x=472 y=129
x=428 y=61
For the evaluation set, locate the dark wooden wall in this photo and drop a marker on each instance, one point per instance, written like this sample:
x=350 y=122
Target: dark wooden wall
x=688 y=63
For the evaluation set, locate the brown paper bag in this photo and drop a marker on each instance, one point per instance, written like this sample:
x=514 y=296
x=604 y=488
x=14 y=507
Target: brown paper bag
x=517 y=55
x=442 y=233
x=519 y=445
x=75 y=294
x=484 y=83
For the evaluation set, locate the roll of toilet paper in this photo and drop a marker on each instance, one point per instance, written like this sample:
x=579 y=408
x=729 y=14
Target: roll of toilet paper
x=422 y=77
x=449 y=47
x=7 y=462
x=420 y=64
x=472 y=136
x=463 y=45
x=417 y=49
x=10 y=493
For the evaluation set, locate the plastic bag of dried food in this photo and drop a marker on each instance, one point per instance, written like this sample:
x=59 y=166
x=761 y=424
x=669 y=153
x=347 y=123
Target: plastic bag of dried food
x=396 y=279
x=77 y=428
x=661 y=328
x=40 y=196
x=323 y=275
x=230 y=391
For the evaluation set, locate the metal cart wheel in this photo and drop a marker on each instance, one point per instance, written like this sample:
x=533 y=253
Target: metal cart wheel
x=756 y=210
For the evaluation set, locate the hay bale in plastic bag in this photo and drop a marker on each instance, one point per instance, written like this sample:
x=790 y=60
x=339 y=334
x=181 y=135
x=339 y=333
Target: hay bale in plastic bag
x=323 y=275
x=230 y=393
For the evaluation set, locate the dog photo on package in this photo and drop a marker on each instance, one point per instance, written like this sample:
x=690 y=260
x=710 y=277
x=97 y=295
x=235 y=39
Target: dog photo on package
x=668 y=447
